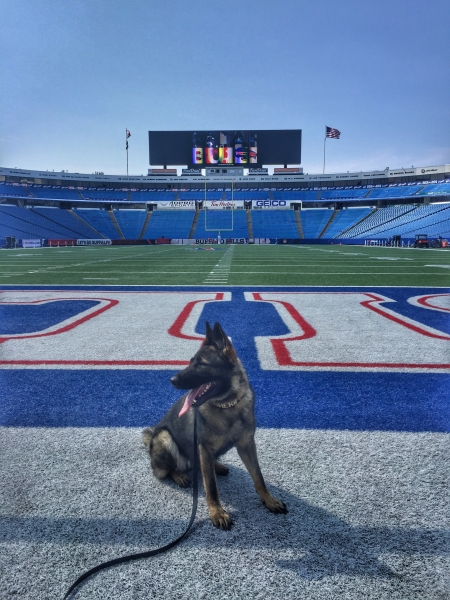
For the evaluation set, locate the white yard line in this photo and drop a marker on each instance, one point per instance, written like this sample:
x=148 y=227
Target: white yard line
x=221 y=270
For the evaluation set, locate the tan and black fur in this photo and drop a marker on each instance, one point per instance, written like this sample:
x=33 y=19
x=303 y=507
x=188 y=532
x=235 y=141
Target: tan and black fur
x=224 y=399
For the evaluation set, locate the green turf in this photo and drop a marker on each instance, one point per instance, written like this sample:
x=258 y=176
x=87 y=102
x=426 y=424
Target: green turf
x=227 y=265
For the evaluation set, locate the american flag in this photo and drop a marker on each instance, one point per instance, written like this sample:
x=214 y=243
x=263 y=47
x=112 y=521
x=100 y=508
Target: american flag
x=332 y=133
x=128 y=133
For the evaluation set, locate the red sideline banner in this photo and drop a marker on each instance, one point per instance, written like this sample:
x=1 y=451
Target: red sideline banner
x=57 y=243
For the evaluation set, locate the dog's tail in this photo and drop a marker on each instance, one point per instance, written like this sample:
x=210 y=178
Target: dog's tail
x=147 y=435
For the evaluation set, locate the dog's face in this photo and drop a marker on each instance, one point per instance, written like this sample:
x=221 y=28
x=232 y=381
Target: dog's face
x=208 y=373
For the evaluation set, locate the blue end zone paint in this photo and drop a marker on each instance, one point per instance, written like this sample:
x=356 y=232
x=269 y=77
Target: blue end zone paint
x=19 y=319
x=312 y=400
x=135 y=398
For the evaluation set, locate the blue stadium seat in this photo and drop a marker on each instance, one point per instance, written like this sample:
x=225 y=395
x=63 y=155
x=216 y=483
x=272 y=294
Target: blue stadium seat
x=344 y=219
x=231 y=224
x=31 y=223
x=274 y=224
x=100 y=220
x=314 y=220
x=172 y=224
x=130 y=222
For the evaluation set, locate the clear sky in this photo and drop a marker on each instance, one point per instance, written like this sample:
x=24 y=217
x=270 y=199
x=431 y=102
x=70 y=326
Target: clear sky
x=76 y=73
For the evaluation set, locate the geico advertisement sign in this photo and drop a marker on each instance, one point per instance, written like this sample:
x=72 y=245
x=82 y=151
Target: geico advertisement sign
x=269 y=204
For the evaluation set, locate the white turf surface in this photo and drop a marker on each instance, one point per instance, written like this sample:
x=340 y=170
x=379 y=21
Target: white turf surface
x=368 y=519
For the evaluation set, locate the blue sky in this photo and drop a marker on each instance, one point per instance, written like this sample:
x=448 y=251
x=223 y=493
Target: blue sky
x=77 y=73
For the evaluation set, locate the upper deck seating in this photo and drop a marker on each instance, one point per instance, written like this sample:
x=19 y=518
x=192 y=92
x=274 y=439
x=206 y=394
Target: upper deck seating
x=401 y=191
x=341 y=193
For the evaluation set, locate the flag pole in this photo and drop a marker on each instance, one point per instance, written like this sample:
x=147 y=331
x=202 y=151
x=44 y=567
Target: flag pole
x=126 y=146
x=324 y=142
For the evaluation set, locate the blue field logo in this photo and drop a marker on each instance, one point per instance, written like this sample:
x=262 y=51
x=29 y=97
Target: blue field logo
x=340 y=358
x=295 y=329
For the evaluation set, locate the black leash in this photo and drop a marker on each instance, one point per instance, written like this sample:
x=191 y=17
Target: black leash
x=130 y=557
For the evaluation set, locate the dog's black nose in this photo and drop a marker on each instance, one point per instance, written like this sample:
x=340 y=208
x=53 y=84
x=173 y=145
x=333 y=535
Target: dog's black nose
x=174 y=379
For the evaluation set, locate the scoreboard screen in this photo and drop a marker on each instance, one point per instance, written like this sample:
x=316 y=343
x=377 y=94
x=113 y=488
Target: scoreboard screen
x=247 y=148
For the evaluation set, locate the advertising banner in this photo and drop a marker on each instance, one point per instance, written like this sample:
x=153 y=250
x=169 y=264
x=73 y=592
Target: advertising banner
x=162 y=171
x=271 y=204
x=287 y=170
x=213 y=240
x=260 y=171
x=218 y=204
x=197 y=172
x=177 y=204
x=94 y=242
x=31 y=243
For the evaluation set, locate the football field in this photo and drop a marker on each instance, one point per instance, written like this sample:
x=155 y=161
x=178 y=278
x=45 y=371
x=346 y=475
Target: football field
x=231 y=265
x=348 y=350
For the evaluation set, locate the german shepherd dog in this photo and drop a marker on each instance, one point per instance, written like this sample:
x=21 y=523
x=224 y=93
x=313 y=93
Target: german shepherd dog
x=220 y=391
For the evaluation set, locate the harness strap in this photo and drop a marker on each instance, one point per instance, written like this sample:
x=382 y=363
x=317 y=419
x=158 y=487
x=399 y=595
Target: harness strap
x=130 y=557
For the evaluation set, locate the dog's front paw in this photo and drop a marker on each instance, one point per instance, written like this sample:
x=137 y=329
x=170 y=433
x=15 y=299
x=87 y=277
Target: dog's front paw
x=220 y=519
x=180 y=479
x=274 y=505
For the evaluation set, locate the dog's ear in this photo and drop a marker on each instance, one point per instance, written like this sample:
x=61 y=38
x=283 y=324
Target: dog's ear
x=223 y=342
x=209 y=339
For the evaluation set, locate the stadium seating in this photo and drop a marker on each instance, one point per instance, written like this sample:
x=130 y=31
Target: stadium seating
x=172 y=224
x=293 y=195
x=404 y=220
x=229 y=223
x=274 y=224
x=343 y=193
x=380 y=217
x=130 y=222
x=93 y=194
x=435 y=189
x=29 y=223
x=199 y=195
x=152 y=196
x=314 y=220
x=7 y=189
x=244 y=195
x=345 y=219
x=51 y=193
x=76 y=228
x=401 y=191
x=12 y=225
x=100 y=220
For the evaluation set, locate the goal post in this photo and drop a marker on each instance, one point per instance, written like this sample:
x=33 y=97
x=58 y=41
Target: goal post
x=221 y=218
